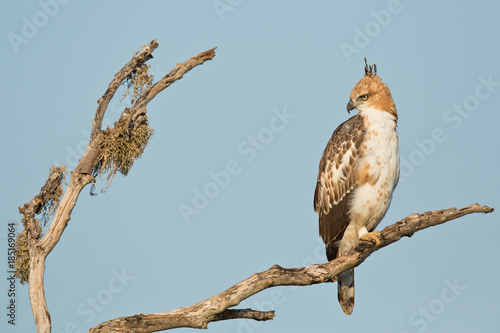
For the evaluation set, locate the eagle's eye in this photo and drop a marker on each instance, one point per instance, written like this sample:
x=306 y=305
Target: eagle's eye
x=363 y=97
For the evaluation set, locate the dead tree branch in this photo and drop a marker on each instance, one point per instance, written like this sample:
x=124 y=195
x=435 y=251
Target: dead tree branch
x=37 y=254
x=137 y=61
x=40 y=247
x=216 y=307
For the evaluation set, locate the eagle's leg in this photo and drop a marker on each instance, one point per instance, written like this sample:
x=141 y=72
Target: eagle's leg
x=362 y=231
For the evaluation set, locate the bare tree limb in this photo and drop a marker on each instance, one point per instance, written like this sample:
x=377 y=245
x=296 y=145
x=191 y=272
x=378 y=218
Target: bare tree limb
x=37 y=264
x=38 y=247
x=244 y=314
x=137 y=61
x=88 y=160
x=212 y=309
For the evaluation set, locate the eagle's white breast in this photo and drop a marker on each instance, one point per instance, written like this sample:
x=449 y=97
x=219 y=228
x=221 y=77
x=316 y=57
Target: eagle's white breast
x=378 y=170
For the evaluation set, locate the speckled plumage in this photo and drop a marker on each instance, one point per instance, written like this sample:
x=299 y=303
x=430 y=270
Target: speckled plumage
x=357 y=175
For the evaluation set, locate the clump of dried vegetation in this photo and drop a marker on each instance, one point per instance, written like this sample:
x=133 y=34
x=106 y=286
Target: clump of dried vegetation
x=46 y=210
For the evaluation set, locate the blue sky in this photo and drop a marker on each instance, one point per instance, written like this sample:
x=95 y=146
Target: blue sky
x=282 y=74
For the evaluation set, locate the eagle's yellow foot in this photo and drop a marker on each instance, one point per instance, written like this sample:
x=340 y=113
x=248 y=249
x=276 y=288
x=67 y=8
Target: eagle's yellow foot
x=373 y=237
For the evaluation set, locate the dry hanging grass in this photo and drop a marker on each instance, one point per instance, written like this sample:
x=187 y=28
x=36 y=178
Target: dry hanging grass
x=138 y=82
x=119 y=147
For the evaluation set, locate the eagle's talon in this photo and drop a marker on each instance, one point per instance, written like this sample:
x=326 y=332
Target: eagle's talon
x=372 y=237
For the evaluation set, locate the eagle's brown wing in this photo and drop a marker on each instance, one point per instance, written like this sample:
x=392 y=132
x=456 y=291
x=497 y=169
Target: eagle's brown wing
x=336 y=180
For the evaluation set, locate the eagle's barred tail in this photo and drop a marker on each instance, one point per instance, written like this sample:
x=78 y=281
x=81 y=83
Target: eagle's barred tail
x=346 y=291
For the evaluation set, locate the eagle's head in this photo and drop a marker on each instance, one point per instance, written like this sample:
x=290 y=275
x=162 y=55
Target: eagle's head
x=371 y=92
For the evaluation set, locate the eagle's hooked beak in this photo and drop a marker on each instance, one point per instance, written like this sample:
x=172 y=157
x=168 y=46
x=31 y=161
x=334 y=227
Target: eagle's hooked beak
x=350 y=106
